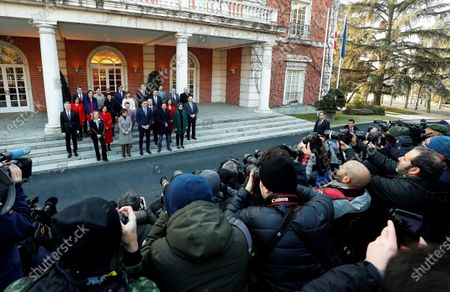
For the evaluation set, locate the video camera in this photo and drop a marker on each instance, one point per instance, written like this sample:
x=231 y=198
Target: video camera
x=7 y=188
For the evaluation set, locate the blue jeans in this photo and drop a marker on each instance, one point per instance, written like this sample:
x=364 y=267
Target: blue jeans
x=160 y=138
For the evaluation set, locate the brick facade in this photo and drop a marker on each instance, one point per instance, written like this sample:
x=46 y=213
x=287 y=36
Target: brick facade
x=77 y=53
x=163 y=55
x=233 y=80
x=292 y=47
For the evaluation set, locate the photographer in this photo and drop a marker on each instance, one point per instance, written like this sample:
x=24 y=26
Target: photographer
x=194 y=242
x=16 y=224
x=89 y=235
x=292 y=255
x=415 y=187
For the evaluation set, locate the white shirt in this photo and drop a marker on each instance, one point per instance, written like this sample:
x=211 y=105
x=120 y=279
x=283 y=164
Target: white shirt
x=131 y=101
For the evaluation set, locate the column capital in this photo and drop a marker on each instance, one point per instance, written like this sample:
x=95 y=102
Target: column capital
x=182 y=36
x=46 y=26
x=268 y=45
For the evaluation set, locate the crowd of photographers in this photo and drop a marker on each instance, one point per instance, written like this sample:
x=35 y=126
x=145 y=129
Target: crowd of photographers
x=342 y=210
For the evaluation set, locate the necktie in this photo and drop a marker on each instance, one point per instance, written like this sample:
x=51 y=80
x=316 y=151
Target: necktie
x=68 y=114
x=145 y=111
x=79 y=95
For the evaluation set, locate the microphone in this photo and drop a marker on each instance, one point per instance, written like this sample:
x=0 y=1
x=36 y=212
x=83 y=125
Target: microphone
x=16 y=153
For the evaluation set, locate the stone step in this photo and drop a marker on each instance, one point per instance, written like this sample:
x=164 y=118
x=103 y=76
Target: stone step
x=202 y=121
x=213 y=134
x=204 y=130
x=65 y=164
x=88 y=152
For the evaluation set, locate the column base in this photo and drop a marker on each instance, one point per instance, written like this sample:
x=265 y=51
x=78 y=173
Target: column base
x=263 y=111
x=52 y=130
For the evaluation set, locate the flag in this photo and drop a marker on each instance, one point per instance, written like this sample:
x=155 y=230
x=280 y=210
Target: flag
x=344 y=38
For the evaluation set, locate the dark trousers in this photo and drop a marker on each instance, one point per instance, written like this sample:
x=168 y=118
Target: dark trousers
x=167 y=133
x=155 y=133
x=147 y=138
x=191 y=124
x=85 y=127
x=103 y=145
x=72 y=136
x=180 y=138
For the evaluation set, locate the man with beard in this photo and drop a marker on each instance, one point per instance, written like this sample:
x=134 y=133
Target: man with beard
x=415 y=188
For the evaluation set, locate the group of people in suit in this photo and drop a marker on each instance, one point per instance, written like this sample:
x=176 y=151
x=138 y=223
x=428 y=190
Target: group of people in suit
x=161 y=112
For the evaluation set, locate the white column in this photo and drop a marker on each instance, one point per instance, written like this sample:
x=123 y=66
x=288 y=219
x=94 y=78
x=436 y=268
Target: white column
x=182 y=61
x=266 y=72
x=50 y=71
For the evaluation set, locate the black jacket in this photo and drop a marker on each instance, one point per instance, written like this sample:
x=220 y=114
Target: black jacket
x=291 y=263
x=162 y=120
x=69 y=126
x=411 y=193
x=320 y=129
x=362 y=276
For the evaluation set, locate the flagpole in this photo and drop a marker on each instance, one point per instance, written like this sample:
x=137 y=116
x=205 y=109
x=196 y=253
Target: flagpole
x=325 y=50
x=339 y=72
x=342 y=54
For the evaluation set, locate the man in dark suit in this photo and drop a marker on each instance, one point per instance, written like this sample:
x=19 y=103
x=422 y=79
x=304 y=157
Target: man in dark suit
x=141 y=94
x=174 y=96
x=119 y=95
x=79 y=94
x=70 y=127
x=82 y=96
x=185 y=96
x=191 y=111
x=157 y=100
x=321 y=124
x=153 y=109
x=162 y=123
x=144 y=118
x=351 y=126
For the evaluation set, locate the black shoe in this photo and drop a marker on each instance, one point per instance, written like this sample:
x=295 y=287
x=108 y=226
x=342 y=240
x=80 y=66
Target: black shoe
x=69 y=155
x=182 y=146
x=109 y=147
x=142 y=153
x=156 y=143
x=159 y=150
x=170 y=149
x=178 y=147
x=76 y=154
x=149 y=152
x=194 y=138
x=189 y=138
x=106 y=160
x=98 y=159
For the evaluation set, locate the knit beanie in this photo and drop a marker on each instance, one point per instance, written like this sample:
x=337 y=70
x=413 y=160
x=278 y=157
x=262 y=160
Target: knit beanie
x=278 y=175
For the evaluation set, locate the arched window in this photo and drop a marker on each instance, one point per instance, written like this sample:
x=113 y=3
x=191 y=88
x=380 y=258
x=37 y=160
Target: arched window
x=13 y=81
x=193 y=75
x=107 y=69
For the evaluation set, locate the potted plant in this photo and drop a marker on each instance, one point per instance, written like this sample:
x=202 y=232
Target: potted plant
x=331 y=102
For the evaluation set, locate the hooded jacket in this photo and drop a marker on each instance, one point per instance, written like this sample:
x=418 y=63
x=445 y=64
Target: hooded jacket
x=200 y=251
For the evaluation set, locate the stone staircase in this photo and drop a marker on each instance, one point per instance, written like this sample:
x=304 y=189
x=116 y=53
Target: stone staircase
x=49 y=153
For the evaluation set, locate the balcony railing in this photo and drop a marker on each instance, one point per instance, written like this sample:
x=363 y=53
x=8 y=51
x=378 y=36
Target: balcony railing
x=223 y=8
x=299 y=31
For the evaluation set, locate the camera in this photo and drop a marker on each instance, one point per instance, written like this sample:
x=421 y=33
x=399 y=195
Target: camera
x=384 y=126
x=7 y=188
x=373 y=137
x=43 y=215
x=340 y=135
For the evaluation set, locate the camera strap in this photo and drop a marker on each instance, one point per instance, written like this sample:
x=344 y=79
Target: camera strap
x=8 y=203
x=288 y=218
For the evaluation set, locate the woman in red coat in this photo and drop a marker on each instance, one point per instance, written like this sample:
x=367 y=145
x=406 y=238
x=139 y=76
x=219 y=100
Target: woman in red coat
x=108 y=121
x=78 y=108
x=171 y=108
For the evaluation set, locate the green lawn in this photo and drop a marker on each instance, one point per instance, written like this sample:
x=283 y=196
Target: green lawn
x=342 y=119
